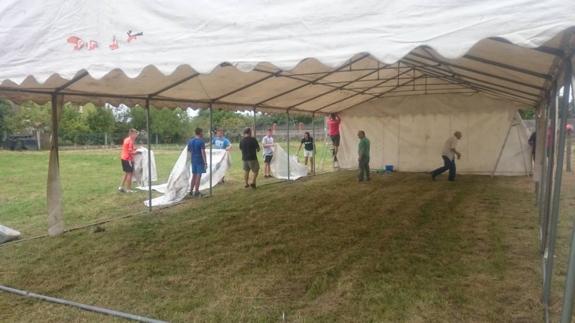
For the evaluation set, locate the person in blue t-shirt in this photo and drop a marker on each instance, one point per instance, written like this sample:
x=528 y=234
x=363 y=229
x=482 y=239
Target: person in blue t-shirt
x=221 y=142
x=197 y=149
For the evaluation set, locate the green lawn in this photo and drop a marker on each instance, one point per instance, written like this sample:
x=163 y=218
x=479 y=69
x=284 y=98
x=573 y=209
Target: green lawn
x=89 y=181
x=326 y=248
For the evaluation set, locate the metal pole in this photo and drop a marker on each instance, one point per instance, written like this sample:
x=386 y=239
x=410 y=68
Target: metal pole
x=149 y=155
x=255 y=121
x=53 y=185
x=567 y=310
x=314 y=142
x=549 y=180
x=288 y=164
x=81 y=306
x=503 y=146
x=211 y=146
x=554 y=219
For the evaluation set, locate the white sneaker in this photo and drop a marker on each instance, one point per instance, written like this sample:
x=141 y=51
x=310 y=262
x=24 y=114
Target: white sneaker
x=121 y=189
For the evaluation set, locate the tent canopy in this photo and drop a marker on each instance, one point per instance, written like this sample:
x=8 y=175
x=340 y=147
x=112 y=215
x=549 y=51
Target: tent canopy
x=311 y=56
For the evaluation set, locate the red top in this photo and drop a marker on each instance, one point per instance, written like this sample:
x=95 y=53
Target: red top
x=333 y=127
x=128 y=149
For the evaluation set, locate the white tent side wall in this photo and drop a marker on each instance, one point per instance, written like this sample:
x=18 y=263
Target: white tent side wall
x=409 y=132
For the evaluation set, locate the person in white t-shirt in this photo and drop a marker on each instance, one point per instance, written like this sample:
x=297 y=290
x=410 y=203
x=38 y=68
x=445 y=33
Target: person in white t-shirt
x=268 y=143
x=448 y=154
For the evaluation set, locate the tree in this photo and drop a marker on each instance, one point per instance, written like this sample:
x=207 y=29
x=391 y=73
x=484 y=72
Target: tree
x=99 y=119
x=28 y=118
x=73 y=128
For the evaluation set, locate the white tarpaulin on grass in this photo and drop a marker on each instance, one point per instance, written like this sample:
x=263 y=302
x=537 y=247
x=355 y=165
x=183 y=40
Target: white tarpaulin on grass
x=141 y=161
x=279 y=165
x=178 y=185
x=8 y=234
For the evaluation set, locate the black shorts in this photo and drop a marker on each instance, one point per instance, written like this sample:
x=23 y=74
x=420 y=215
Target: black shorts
x=335 y=140
x=127 y=166
x=268 y=158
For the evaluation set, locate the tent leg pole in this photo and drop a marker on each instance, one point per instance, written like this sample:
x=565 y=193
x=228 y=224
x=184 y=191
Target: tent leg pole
x=211 y=144
x=554 y=219
x=539 y=170
x=255 y=111
x=149 y=155
x=314 y=143
x=569 y=291
x=288 y=163
x=54 y=187
x=551 y=165
x=502 y=147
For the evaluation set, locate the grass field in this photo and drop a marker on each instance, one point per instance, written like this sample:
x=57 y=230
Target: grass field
x=400 y=248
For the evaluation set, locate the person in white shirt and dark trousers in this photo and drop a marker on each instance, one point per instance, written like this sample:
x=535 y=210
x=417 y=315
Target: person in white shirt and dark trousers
x=448 y=154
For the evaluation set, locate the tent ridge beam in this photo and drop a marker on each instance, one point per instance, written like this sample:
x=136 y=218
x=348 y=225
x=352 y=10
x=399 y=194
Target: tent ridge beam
x=543 y=49
x=442 y=62
x=349 y=63
x=382 y=94
x=369 y=88
x=185 y=79
x=479 y=88
x=339 y=88
x=274 y=74
x=506 y=66
x=466 y=78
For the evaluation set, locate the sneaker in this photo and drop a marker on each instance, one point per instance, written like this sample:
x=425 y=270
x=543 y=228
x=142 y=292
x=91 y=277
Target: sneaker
x=121 y=189
x=247 y=185
x=253 y=185
x=130 y=191
x=198 y=194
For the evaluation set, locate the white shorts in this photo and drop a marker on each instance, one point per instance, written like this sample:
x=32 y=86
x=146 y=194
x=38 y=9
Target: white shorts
x=308 y=153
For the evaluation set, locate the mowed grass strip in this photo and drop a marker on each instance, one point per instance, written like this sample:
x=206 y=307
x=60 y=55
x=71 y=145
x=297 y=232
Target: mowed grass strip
x=400 y=248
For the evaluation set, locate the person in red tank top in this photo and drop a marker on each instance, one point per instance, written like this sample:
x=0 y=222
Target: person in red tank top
x=333 y=132
x=127 y=157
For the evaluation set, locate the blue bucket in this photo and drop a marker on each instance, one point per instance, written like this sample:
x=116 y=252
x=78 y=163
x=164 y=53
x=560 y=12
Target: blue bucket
x=389 y=168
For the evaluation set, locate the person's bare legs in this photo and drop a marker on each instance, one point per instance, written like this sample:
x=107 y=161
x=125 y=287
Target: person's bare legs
x=255 y=177
x=305 y=160
x=267 y=169
x=128 y=181
x=197 y=184
x=247 y=177
x=312 y=164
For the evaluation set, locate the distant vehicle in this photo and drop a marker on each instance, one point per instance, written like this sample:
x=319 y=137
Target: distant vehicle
x=21 y=142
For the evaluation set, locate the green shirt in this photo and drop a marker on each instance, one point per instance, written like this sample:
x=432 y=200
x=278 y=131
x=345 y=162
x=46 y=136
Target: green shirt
x=363 y=148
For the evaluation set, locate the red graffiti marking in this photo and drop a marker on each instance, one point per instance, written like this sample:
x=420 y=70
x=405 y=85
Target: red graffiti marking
x=92 y=44
x=114 y=44
x=76 y=41
x=132 y=36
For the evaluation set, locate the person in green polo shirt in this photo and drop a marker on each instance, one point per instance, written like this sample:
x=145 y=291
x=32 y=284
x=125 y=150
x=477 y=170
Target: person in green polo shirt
x=363 y=156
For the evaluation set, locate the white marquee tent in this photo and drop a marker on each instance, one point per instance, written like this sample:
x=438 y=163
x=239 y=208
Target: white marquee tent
x=409 y=72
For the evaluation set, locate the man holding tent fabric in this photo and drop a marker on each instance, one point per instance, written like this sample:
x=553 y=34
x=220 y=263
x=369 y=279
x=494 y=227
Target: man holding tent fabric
x=127 y=157
x=250 y=147
x=221 y=142
x=448 y=154
x=363 y=156
x=197 y=149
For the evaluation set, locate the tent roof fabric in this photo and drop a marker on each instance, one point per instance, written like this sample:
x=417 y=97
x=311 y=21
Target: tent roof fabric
x=253 y=54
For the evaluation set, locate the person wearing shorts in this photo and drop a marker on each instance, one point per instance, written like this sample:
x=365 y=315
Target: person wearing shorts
x=308 y=149
x=221 y=142
x=127 y=157
x=197 y=149
x=333 y=132
x=268 y=143
x=249 y=147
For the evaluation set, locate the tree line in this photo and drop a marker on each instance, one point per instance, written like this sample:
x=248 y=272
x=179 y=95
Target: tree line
x=91 y=125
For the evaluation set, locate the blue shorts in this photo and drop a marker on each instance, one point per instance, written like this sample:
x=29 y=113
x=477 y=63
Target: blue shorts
x=199 y=168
